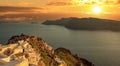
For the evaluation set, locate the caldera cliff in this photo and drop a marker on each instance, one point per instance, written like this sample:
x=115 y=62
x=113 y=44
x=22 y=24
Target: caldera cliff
x=91 y=24
x=24 y=50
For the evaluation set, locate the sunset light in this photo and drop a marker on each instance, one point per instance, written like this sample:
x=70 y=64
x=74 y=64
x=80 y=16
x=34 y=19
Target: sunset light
x=53 y=9
x=60 y=32
x=96 y=10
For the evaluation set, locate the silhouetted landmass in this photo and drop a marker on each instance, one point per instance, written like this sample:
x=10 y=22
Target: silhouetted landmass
x=86 y=24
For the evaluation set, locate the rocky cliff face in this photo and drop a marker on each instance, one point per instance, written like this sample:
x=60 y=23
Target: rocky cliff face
x=24 y=50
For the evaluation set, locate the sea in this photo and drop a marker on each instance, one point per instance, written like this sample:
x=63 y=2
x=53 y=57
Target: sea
x=102 y=48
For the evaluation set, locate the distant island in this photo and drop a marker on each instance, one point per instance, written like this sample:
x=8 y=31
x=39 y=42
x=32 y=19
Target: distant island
x=86 y=24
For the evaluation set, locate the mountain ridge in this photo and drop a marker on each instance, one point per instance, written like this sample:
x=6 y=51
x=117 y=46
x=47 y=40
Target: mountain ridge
x=86 y=24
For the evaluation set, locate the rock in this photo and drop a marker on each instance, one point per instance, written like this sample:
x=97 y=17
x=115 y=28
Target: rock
x=0 y=47
x=41 y=63
x=8 y=51
x=33 y=51
x=3 y=56
x=70 y=59
x=2 y=62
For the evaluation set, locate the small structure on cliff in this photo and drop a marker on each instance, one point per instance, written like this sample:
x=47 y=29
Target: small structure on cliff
x=21 y=51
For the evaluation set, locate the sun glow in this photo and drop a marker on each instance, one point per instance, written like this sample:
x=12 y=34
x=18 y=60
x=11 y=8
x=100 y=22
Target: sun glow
x=97 y=10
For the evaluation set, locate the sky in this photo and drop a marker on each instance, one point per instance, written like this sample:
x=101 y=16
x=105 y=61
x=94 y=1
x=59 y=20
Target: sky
x=36 y=10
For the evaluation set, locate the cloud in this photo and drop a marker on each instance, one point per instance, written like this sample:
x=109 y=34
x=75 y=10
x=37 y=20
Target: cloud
x=81 y=2
x=118 y=1
x=31 y=17
x=11 y=13
x=17 y=9
x=66 y=3
x=23 y=3
x=16 y=19
x=99 y=1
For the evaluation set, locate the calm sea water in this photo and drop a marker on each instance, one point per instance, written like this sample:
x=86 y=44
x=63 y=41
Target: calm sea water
x=100 y=47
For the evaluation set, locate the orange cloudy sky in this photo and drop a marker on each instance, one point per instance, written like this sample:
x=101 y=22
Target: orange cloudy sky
x=20 y=10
